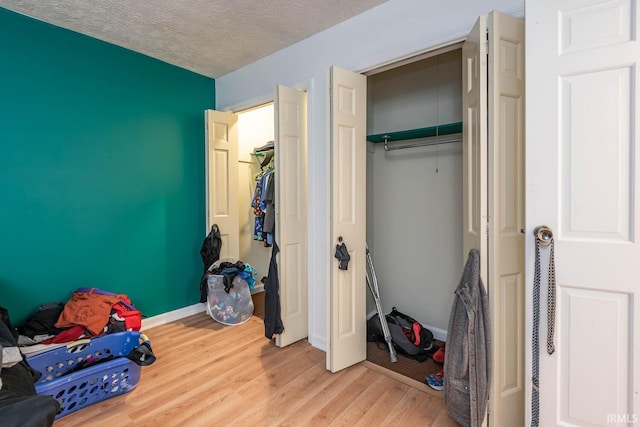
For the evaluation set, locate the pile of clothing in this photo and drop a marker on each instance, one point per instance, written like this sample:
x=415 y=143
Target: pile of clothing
x=20 y=406
x=89 y=312
x=229 y=285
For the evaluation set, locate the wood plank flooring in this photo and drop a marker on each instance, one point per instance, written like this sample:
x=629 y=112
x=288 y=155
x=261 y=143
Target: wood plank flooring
x=208 y=374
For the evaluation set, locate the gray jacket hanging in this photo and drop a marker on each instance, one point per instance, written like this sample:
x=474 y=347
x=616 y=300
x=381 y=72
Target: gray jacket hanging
x=467 y=368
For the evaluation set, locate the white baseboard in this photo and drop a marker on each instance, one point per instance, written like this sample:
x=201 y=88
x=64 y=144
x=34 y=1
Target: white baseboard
x=439 y=334
x=171 y=316
x=318 y=342
x=257 y=288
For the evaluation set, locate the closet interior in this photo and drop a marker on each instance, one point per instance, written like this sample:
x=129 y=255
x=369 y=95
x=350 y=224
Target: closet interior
x=255 y=162
x=414 y=189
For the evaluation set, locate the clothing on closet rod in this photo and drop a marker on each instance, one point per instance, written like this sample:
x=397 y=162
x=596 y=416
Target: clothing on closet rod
x=263 y=203
x=269 y=208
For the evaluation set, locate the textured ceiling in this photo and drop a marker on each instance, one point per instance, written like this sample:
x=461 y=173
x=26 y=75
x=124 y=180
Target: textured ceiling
x=210 y=37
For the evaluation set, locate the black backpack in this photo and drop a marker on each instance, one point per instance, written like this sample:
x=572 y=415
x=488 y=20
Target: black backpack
x=210 y=253
x=408 y=336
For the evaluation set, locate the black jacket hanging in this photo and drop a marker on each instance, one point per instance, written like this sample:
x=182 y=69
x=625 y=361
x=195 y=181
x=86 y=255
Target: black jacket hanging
x=272 y=320
x=210 y=253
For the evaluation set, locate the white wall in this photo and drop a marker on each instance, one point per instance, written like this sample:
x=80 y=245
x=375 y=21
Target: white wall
x=393 y=30
x=416 y=95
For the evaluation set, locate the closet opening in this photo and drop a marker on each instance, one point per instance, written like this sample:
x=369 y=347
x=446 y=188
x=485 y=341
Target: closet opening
x=255 y=131
x=414 y=195
x=242 y=148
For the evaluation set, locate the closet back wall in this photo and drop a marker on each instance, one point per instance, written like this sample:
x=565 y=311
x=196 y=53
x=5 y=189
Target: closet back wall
x=101 y=171
x=414 y=196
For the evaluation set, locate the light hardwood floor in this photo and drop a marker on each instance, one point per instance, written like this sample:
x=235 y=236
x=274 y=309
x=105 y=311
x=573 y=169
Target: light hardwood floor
x=207 y=374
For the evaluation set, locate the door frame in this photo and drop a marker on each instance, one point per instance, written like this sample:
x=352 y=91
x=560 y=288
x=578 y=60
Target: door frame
x=385 y=66
x=308 y=87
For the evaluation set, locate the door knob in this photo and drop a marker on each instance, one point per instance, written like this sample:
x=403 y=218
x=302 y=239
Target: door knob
x=543 y=234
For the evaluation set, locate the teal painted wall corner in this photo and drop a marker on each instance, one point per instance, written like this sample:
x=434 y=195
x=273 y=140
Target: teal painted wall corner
x=101 y=171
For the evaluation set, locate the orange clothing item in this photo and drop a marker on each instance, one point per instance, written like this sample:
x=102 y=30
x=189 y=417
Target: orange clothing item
x=87 y=309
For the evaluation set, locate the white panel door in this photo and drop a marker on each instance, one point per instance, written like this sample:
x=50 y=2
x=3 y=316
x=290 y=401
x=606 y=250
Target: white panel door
x=347 y=311
x=291 y=213
x=221 y=168
x=582 y=181
x=474 y=146
x=505 y=275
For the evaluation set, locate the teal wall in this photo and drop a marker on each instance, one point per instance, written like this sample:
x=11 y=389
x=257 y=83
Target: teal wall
x=101 y=171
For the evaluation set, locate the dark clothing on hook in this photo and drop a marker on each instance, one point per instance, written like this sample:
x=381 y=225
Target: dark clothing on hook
x=272 y=320
x=210 y=253
x=342 y=254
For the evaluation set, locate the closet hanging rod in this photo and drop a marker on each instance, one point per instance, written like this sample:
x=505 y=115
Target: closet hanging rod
x=419 y=144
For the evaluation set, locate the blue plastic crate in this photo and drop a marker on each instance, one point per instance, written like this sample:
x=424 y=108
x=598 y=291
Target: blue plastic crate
x=55 y=363
x=92 y=385
x=65 y=379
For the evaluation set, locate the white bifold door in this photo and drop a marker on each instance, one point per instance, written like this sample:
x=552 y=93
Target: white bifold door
x=221 y=166
x=290 y=154
x=292 y=212
x=583 y=125
x=493 y=196
x=347 y=343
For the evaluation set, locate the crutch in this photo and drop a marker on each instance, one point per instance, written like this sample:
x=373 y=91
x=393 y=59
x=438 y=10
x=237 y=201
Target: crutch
x=372 y=281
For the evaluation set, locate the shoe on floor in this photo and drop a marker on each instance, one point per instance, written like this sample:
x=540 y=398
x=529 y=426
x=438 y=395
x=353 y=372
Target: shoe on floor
x=438 y=356
x=435 y=381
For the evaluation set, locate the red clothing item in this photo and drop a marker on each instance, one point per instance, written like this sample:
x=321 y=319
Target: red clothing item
x=72 y=334
x=87 y=309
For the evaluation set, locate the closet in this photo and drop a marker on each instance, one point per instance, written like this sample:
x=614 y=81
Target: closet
x=428 y=205
x=233 y=160
x=255 y=129
x=414 y=186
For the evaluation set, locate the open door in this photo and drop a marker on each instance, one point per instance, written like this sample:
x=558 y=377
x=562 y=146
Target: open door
x=474 y=145
x=583 y=181
x=291 y=213
x=493 y=196
x=347 y=311
x=505 y=260
x=221 y=169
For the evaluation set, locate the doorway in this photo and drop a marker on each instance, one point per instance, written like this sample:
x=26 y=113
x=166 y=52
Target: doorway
x=492 y=206
x=255 y=129
x=414 y=195
x=231 y=179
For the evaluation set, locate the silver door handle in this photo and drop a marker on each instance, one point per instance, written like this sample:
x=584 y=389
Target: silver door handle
x=543 y=234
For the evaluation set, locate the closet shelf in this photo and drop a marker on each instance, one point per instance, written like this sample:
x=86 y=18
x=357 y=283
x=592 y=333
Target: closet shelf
x=401 y=135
